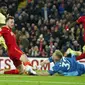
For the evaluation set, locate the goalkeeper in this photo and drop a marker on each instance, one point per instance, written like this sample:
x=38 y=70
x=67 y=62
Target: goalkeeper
x=66 y=66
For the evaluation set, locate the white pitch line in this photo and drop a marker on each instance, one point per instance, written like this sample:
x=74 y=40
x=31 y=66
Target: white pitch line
x=44 y=82
x=15 y=76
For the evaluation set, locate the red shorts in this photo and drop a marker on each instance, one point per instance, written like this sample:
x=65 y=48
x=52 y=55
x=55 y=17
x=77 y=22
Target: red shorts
x=15 y=54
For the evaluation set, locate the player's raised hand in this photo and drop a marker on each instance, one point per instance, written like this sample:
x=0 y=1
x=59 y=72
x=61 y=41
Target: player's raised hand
x=83 y=49
x=42 y=64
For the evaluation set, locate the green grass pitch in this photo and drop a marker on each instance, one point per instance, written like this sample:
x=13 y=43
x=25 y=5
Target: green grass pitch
x=41 y=80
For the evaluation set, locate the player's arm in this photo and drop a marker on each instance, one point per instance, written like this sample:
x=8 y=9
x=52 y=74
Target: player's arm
x=43 y=73
x=73 y=24
x=41 y=64
x=47 y=73
x=50 y=72
x=44 y=62
x=78 y=21
x=49 y=60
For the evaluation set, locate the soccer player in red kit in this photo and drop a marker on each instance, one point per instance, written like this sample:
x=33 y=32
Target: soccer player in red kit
x=14 y=52
x=80 y=20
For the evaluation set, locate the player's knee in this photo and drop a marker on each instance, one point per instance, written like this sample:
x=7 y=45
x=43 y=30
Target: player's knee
x=23 y=58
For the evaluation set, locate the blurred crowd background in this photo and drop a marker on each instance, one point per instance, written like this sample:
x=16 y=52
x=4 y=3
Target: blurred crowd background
x=41 y=26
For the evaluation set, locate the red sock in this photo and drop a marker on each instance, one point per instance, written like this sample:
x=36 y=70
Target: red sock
x=82 y=56
x=27 y=63
x=12 y=72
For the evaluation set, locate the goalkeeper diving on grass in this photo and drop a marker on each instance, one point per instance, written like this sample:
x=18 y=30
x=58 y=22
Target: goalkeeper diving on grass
x=66 y=66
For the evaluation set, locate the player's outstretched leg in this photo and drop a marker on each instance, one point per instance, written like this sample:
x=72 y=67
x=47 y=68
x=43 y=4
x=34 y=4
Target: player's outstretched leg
x=82 y=56
x=13 y=71
x=27 y=64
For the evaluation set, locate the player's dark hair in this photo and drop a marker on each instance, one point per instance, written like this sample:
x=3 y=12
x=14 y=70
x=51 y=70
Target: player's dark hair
x=9 y=17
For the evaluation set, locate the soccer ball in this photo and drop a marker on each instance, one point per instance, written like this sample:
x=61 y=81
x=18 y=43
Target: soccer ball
x=29 y=70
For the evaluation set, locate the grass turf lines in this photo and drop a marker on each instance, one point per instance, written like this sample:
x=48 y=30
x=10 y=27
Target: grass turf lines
x=41 y=80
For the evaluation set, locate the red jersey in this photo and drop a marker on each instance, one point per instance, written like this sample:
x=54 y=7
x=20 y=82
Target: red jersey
x=14 y=51
x=81 y=20
x=9 y=36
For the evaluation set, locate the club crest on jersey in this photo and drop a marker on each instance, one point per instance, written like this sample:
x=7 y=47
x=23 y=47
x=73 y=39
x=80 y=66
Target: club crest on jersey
x=12 y=34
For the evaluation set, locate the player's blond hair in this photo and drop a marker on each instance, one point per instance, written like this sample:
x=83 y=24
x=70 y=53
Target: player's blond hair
x=58 y=53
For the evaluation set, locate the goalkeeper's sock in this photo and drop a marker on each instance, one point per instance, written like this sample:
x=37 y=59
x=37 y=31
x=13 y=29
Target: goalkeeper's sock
x=15 y=71
x=82 y=56
x=73 y=52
